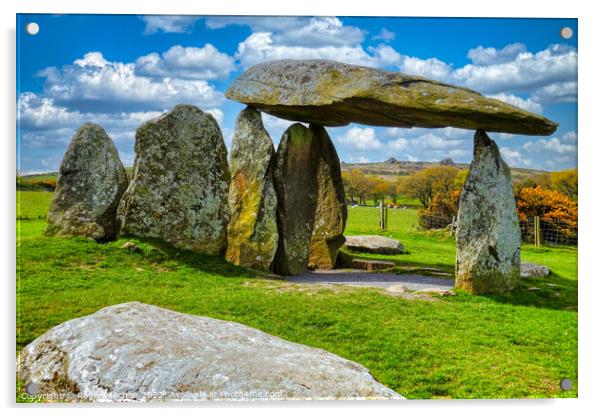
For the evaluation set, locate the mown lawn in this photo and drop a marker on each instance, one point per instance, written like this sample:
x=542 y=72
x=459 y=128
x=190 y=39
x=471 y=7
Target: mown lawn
x=517 y=345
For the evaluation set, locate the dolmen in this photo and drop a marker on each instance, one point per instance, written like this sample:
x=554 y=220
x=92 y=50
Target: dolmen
x=284 y=209
x=327 y=93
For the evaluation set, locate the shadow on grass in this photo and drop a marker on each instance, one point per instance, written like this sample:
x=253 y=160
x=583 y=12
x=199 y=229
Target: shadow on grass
x=552 y=292
x=157 y=251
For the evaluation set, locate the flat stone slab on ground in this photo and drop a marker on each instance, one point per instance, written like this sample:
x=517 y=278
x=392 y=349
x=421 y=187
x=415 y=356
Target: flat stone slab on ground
x=533 y=270
x=378 y=280
x=373 y=244
x=371 y=265
x=139 y=352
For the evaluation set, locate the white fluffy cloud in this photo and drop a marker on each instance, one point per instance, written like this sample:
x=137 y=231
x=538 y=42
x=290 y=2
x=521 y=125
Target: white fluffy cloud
x=94 y=84
x=524 y=103
x=321 y=31
x=398 y=144
x=546 y=153
x=514 y=157
x=557 y=63
x=490 y=56
x=260 y=47
x=559 y=92
x=297 y=31
x=564 y=145
x=168 y=24
x=357 y=138
x=186 y=62
x=385 y=35
x=39 y=113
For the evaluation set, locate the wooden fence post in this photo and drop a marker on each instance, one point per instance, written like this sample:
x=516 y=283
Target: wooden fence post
x=382 y=215
x=537 y=230
x=386 y=217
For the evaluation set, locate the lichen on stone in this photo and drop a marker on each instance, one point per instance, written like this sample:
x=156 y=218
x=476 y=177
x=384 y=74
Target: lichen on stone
x=331 y=209
x=90 y=183
x=179 y=187
x=295 y=179
x=488 y=235
x=252 y=231
x=332 y=93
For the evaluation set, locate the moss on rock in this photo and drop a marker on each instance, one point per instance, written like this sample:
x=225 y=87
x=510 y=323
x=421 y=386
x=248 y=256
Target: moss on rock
x=331 y=210
x=252 y=231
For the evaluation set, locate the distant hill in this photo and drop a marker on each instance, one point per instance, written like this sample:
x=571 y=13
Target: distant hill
x=388 y=170
x=392 y=168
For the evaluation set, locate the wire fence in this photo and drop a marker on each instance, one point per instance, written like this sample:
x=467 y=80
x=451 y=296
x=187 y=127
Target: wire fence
x=551 y=232
x=431 y=222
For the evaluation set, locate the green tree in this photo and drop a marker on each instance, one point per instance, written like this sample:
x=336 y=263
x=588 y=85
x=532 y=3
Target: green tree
x=565 y=182
x=425 y=184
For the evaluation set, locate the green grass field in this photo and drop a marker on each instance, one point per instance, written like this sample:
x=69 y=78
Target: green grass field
x=516 y=345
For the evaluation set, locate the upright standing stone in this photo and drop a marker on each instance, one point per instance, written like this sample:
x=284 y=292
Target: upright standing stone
x=90 y=183
x=179 y=187
x=252 y=231
x=297 y=190
x=488 y=235
x=331 y=211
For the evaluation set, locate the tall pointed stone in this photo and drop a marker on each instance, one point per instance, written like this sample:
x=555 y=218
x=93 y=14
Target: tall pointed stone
x=90 y=183
x=488 y=236
x=179 y=187
x=252 y=231
x=331 y=210
x=297 y=190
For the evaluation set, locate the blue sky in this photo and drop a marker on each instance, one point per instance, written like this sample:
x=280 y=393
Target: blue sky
x=121 y=70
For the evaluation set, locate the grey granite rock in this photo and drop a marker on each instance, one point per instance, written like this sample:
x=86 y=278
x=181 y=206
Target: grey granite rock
x=179 y=187
x=90 y=183
x=139 y=352
x=252 y=231
x=295 y=179
x=488 y=237
x=334 y=94
x=373 y=244
x=331 y=210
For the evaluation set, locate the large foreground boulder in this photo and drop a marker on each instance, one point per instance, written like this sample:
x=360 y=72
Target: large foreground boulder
x=296 y=184
x=373 y=244
x=488 y=235
x=335 y=94
x=139 y=352
x=331 y=210
x=179 y=187
x=90 y=182
x=252 y=231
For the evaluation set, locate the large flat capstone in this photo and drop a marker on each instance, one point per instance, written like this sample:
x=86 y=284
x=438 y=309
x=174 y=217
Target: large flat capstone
x=336 y=94
x=179 y=187
x=139 y=352
x=488 y=238
x=90 y=183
